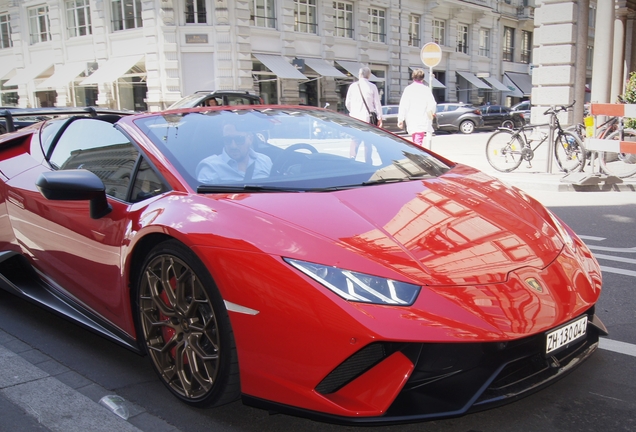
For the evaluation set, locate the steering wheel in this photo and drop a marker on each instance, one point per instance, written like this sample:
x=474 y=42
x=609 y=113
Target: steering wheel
x=280 y=165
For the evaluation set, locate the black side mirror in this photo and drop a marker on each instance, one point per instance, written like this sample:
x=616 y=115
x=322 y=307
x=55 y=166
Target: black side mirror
x=75 y=185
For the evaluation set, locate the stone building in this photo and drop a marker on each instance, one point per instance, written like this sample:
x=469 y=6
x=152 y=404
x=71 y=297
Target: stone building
x=146 y=54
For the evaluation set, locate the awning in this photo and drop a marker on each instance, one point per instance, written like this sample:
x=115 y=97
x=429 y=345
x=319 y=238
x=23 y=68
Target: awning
x=436 y=83
x=112 y=69
x=63 y=75
x=323 y=68
x=280 y=66
x=354 y=68
x=522 y=81
x=471 y=78
x=496 y=84
x=27 y=74
x=5 y=69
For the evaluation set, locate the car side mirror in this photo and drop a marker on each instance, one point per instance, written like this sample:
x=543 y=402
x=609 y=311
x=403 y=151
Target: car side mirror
x=75 y=185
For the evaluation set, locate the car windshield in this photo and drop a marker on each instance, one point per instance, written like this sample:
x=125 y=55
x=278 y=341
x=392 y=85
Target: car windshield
x=188 y=101
x=284 y=149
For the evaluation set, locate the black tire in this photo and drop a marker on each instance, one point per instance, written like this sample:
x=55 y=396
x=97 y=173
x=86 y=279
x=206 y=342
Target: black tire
x=508 y=124
x=504 y=150
x=569 y=152
x=467 y=127
x=184 y=327
x=621 y=165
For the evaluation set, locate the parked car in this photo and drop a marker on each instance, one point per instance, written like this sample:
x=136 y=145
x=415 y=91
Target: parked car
x=500 y=116
x=522 y=109
x=217 y=98
x=458 y=116
x=386 y=287
x=389 y=118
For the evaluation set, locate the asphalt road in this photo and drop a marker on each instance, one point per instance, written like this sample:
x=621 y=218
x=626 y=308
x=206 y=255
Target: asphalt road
x=53 y=354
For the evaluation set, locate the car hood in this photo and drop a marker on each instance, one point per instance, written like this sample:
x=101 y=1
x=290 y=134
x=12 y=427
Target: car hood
x=463 y=228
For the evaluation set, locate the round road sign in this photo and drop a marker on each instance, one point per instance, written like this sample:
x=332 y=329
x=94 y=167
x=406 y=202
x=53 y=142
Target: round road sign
x=431 y=54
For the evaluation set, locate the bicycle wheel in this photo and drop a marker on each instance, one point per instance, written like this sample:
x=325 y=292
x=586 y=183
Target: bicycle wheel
x=619 y=164
x=503 y=150
x=569 y=152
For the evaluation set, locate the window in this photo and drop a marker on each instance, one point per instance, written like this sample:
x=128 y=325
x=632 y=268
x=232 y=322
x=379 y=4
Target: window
x=592 y=16
x=97 y=146
x=195 y=12
x=484 y=42
x=5 y=31
x=439 y=32
x=414 y=30
x=39 y=26
x=462 y=38
x=590 y=57
x=343 y=19
x=78 y=16
x=263 y=13
x=305 y=16
x=377 y=28
x=526 y=46
x=509 y=44
x=8 y=94
x=126 y=14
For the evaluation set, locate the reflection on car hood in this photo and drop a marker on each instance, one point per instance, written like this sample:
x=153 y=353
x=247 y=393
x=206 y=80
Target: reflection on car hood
x=461 y=228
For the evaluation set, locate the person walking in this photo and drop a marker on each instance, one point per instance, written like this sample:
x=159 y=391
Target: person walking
x=363 y=99
x=417 y=108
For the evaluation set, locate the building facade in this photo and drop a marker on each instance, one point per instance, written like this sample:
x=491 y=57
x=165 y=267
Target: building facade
x=147 y=54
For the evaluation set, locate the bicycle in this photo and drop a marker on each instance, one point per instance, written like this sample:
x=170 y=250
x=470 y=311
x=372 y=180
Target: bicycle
x=507 y=148
x=620 y=165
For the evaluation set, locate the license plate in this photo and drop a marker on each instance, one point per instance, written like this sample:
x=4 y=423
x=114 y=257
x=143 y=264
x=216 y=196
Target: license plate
x=564 y=335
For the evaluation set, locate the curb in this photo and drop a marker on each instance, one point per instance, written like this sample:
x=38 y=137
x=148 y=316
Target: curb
x=38 y=391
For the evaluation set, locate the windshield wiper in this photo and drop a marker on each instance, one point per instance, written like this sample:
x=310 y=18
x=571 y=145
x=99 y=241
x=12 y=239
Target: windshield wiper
x=245 y=188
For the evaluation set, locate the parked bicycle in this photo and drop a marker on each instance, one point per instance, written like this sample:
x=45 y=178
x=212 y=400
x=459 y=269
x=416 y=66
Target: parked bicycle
x=507 y=148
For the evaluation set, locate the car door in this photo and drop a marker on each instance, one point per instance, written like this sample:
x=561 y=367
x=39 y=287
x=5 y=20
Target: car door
x=445 y=114
x=78 y=254
x=491 y=115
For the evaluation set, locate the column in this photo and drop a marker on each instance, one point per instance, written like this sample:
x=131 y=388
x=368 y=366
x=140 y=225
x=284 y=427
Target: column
x=602 y=64
x=580 y=65
x=618 y=58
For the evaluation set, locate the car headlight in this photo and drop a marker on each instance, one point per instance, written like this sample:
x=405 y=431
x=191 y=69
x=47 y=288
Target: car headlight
x=359 y=287
x=563 y=233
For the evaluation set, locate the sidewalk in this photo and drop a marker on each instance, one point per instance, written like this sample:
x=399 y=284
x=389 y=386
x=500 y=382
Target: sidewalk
x=39 y=394
x=470 y=150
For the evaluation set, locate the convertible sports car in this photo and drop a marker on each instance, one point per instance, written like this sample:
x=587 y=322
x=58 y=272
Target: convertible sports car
x=352 y=277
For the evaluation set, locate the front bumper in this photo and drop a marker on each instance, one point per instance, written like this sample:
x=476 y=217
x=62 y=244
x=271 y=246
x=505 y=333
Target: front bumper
x=444 y=380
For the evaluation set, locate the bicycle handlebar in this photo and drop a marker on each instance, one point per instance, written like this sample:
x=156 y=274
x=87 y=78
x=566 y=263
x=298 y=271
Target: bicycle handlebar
x=555 y=109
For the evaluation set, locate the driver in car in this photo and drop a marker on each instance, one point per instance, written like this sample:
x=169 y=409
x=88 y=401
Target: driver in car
x=237 y=162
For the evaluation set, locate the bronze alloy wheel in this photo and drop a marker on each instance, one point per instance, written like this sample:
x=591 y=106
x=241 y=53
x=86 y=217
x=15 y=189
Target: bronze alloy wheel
x=188 y=342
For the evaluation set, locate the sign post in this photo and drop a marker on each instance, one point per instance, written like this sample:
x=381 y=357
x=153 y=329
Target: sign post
x=431 y=55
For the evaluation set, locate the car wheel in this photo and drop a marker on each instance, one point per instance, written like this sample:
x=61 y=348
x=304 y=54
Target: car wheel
x=184 y=327
x=508 y=124
x=467 y=127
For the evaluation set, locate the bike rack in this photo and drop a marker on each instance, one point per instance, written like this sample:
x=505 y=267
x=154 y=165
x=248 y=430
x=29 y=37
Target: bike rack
x=603 y=145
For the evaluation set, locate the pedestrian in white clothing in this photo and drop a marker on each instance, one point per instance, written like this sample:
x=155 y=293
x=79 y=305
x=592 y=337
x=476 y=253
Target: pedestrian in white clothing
x=417 y=108
x=362 y=99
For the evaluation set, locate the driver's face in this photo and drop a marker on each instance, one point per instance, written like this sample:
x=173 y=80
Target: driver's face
x=237 y=144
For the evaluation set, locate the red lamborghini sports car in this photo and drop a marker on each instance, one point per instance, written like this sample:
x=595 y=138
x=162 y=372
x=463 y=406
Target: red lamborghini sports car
x=295 y=258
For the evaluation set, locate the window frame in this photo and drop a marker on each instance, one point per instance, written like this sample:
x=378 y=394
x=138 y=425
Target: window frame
x=265 y=20
x=526 y=46
x=309 y=8
x=439 y=32
x=484 y=42
x=119 y=22
x=37 y=20
x=193 y=13
x=414 y=30
x=463 y=30
x=5 y=30
x=377 y=22
x=343 y=13
x=508 y=50
x=73 y=14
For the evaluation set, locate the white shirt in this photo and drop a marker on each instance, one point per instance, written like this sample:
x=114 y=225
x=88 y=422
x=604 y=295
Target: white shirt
x=417 y=106
x=355 y=104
